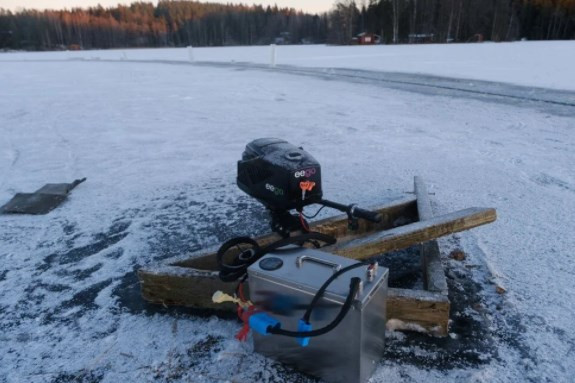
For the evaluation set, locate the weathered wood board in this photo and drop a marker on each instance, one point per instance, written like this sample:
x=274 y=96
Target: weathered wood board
x=433 y=277
x=418 y=232
x=419 y=309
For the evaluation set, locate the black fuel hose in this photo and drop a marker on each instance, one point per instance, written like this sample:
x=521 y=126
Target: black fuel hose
x=353 y=289
x=306 y=317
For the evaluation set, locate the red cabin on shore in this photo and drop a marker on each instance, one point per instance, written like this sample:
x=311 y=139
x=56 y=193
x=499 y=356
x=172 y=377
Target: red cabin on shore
x=368 y=39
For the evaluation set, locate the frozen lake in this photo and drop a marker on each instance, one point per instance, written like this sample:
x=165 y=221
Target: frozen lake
x=159 y=139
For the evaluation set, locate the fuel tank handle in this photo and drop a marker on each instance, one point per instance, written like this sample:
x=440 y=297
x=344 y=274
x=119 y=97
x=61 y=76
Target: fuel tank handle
x=302 y=258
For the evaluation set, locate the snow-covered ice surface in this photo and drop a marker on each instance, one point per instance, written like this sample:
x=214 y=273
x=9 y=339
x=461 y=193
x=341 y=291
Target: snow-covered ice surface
x=159 y=142
x=534 y=63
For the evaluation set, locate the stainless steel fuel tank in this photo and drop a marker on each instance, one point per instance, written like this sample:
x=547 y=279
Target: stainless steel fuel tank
x=283 y=284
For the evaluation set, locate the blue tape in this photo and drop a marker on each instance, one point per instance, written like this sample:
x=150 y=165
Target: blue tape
x=261 y=322
x=301 y=327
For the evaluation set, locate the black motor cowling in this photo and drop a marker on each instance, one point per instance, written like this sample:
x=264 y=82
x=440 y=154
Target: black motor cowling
x=280 y=175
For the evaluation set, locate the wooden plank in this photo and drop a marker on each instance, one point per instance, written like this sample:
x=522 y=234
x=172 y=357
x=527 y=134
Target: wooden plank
x=192 y=288
x=423 y=203
x=181 y=286
x=184 y=286
x=433 y=275
x=418 y=232
x=418 y=309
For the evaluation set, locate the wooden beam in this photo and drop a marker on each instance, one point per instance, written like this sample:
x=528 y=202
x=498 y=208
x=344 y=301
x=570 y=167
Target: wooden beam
x=433 y=275
x=426 y=310
x=181 y=286
x=423 y=203
x=193 y=288
x=418 y=232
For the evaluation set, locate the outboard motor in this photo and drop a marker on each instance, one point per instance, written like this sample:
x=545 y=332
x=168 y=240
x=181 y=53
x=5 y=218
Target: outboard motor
x=285 y=177
x=273 y=171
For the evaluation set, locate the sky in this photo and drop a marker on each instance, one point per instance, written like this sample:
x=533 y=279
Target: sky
x=306 y=5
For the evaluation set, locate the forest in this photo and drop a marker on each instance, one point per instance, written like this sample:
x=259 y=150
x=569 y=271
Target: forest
x=440 y=21
x=176 y=23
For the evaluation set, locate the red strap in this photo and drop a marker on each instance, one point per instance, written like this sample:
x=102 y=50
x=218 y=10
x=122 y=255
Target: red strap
x=241 y=291
x=245 y=315
x=242 y=335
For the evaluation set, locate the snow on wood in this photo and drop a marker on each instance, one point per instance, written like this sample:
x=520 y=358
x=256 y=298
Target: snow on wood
x=434 y=277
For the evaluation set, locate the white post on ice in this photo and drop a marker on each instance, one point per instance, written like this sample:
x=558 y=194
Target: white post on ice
x=191 y=53
x=272 y=55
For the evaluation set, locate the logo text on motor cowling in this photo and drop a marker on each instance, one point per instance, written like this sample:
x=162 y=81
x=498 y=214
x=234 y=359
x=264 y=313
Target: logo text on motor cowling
x=274 y=189
x=305 y=173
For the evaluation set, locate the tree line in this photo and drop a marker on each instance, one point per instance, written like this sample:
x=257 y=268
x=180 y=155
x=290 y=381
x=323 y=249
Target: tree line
x=170 y=23
x=181 y=23
x=400 y=21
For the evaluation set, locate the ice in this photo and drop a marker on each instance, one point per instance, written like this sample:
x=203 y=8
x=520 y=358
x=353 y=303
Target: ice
x=546 y=64
x=159 y=141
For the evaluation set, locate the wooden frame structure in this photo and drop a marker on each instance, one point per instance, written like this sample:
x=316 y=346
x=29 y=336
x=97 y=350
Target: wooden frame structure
x=191 y=281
